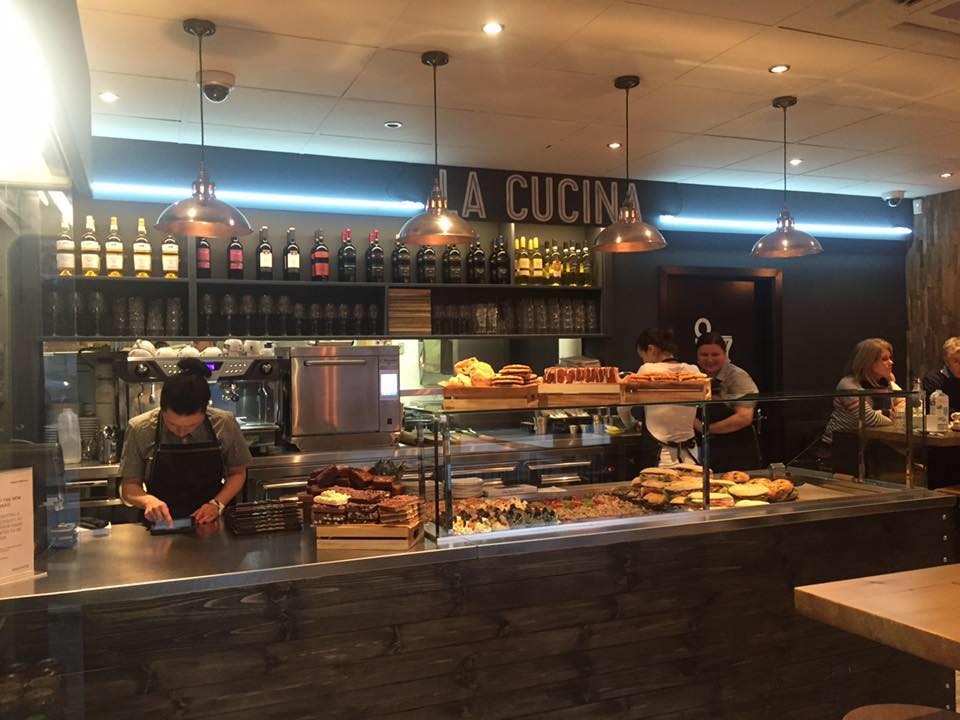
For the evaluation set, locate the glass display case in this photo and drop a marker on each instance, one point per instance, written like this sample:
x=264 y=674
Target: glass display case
x=502 y=474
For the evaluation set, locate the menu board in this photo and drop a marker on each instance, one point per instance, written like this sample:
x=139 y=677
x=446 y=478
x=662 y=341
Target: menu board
x=16 y=524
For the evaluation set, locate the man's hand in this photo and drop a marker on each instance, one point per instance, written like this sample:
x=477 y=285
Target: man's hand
x=156 y=510
x=206 y=513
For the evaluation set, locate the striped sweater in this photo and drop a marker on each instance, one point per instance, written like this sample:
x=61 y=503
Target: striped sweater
x=846 y=410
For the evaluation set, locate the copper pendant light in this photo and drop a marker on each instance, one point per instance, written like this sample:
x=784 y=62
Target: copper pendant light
x=786 y=241
x=436 y=225
x=202 y=214
x=629 y=234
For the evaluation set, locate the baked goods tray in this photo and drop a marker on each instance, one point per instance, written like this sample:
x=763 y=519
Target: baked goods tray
x=578 y=394
x=461 y=397
x=664 y=392
x=368 y=536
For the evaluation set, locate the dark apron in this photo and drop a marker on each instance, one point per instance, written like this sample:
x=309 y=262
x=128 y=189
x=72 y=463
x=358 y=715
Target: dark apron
x=185 y=476
x=738 y=450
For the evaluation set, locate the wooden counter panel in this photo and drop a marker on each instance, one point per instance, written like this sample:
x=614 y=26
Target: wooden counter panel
x=683 y=627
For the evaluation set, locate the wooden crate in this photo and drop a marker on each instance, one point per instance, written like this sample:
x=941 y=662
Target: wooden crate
x=664 y=392
x=408 y=312
x=368 y=536
x=460 y=397
x=579 y=394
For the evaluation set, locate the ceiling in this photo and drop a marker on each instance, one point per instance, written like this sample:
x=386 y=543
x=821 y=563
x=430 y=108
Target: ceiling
x=878 y=82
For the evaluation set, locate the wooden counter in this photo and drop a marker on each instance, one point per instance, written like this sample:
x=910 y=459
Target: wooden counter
x=890 y=435
x=914 y=611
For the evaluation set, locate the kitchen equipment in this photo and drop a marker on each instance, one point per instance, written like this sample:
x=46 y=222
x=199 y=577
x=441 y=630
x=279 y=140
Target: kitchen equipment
x=108 y=445
x=339 y=396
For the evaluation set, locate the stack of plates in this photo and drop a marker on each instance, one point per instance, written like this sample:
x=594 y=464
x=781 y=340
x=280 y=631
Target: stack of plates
x=262 y=516
x=468 y=487
x=88 y=428
x=50 y=433
x=508 y=490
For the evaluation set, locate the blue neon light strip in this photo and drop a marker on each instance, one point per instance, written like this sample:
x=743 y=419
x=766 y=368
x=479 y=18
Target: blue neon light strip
x=673 y=222
x=103 y=190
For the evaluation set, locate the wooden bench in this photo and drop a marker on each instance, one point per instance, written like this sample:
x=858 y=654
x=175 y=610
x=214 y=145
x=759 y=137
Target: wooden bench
x=899 y=712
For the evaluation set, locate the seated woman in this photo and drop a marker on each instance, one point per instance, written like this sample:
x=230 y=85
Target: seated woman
x=733 y=440
x=667 y=436
x=870 y=368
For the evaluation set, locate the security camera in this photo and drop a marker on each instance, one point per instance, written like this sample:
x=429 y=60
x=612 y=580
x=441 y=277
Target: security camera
x=216 y=84
x=893 y=197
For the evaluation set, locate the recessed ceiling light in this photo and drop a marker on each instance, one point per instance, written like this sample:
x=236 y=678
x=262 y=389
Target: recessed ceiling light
x=796 y=161
x=778 y=69
x=493 y=28
x=393 y=124
x=108 y=96
x=946 y=175
x=613 y=145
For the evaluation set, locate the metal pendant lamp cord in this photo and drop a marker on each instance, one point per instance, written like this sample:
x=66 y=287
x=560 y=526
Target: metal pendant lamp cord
x=436 y=142
x=626 y=100
x=784 y=156
x=203 y=144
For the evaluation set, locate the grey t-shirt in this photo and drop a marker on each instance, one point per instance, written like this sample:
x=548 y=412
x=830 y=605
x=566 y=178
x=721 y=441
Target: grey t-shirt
x=139 y=441
x=733 y=382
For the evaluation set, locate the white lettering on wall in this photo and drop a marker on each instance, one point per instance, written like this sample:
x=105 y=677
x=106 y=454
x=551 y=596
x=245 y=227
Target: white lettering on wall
x=586 y=202
x=562 y=187
x=473 y=197
x=545 y=215
x=512 y=212
x=606 y=202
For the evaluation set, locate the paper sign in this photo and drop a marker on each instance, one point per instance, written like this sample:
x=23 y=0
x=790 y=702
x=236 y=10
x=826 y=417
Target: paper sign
x=16 y=524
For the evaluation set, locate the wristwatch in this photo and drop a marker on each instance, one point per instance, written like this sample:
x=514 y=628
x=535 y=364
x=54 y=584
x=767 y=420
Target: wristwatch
x=219 y=505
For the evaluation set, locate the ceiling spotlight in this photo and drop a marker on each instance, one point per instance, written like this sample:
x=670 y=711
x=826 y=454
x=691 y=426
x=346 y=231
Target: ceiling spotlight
x=796 y=161
x=778 y=69
x=613 y=145
x=393 y=124
x=946 y=175
x=108 y=96
x=493 y=28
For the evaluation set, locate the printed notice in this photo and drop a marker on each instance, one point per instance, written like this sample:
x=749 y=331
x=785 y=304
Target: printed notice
x=16 y=524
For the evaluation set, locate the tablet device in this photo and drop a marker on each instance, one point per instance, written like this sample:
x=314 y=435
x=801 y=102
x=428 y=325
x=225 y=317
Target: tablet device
x=180 y=525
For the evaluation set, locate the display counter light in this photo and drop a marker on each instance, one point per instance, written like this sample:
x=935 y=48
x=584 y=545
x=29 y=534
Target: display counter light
x=103 y=190
x=748 y=227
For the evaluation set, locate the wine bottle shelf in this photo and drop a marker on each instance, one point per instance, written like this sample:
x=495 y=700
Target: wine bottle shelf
x=320 y=338
x=85 y=281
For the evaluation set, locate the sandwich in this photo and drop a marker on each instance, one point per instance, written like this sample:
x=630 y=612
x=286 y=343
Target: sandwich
x=717 y=499
x=750 y=503
x=683 y=486
x=659 y=476
x=690 y=469
x=750 y=491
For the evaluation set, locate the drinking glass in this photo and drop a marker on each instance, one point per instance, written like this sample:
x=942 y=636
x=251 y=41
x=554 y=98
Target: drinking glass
x=540 y=315
x=329 y=318
x=566 y=315
x=97 y=306
x=155 y=317
x=53 y=309
x=299 y=315
x=438 y=318
x=493 y=319
x=316 y=317
x=593 y=317
x=136 y=316
x=357 y=319
x=579 y=317
x=373 y=318
x=265 y=307
x=174 y=317
x=480 y=319
x=284 y=309
x=508 y=318
x=207 y=307
x=248 y=306
x=228 y=308
x=343 y=319
x=464 y=320
x=553 y=314
x=119 y=311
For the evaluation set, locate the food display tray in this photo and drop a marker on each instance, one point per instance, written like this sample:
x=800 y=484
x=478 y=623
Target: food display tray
x=664 y=392
x=460 y=397
x=578 y=394
x=368 y=536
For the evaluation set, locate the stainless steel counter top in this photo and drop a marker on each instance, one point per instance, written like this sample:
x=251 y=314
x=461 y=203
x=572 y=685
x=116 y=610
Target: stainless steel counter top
x=131 y=564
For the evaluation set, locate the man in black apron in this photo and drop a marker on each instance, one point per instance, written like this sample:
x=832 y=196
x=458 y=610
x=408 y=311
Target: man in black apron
x=185 y=459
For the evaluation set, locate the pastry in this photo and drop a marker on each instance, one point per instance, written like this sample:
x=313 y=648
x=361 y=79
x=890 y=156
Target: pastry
x=738 y=476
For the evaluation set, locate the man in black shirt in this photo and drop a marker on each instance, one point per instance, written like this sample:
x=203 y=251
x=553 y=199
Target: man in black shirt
x=947 y=378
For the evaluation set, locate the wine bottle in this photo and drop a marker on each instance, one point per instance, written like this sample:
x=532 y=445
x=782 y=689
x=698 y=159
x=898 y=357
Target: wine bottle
x=500 y=263
x=536 y=262
x=235 y=259
x=319 y=258
x=264 y=256
x=142 y=252
x=556 y=265
x=170 y=258
x=426 y=265
x=346 y=258
x=400 y=262
x=66 y=251
x=90 y=250
x=586 y=267
x=452 y=265
x=291 y=256
x=373 y=258
x=203 y=258
x=113 y=250
x=574 y=267
x=479 y=264
x=523 y=263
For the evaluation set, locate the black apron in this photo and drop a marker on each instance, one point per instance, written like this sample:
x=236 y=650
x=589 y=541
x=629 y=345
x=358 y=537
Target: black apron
x=185 y=476
x=738 y=450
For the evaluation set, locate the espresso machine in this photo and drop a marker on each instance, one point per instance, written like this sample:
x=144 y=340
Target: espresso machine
x=247 y=387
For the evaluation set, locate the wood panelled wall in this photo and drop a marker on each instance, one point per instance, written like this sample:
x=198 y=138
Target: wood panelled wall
x=684 y=628
x=933 y=281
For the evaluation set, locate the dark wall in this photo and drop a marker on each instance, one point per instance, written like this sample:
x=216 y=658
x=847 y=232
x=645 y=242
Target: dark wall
x=855 y=289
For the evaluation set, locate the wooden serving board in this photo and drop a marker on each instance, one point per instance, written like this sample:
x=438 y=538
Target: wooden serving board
x=664 y=392
x=579 y=388
x=368 y=536
x=460 y=397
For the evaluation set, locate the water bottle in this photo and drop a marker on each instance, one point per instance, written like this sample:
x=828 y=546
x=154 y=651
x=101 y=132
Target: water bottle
x=940 y=410
x=68 y=434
